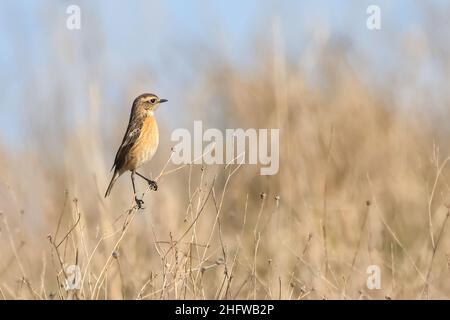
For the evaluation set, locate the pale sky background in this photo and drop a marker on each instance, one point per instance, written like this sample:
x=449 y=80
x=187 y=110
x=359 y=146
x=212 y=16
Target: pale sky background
x=164 y=38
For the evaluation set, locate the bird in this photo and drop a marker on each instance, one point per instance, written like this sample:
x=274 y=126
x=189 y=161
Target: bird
x=139 y=143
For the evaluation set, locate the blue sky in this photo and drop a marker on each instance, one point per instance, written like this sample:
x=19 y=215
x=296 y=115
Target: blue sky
x=164 y=36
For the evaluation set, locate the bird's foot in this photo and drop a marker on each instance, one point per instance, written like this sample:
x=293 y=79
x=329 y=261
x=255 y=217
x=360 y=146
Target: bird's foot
x=153 y=185
x=139 y=202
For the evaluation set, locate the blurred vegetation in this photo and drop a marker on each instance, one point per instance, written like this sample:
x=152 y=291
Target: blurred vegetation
x=363 y=181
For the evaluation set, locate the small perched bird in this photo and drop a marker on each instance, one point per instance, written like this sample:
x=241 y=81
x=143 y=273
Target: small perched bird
x=139 y=143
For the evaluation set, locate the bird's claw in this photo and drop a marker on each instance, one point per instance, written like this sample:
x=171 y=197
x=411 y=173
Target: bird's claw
x=153 y=185
x=139 y=203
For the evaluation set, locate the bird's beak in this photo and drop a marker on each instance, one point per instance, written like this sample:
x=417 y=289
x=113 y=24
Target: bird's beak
x=163 y=100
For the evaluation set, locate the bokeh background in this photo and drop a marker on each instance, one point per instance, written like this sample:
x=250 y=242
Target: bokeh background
x=364 y=133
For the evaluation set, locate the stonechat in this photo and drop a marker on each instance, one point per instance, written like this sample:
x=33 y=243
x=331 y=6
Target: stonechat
x=139 y=143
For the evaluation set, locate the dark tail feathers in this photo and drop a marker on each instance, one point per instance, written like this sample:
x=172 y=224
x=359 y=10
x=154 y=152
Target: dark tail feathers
x=111 y=184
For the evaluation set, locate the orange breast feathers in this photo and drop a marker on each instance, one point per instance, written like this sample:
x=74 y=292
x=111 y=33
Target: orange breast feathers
x=147 y=143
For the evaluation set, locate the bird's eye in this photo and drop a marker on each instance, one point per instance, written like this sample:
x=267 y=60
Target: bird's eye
x=153 y=100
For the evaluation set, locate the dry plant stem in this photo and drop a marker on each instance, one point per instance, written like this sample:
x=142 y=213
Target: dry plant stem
x=361 y=232
x=195 y=219
x=11 y=260
x=430 y=201
x=316 y=273
x=44 y=270
x=128 y=219
x=13 y=245
x=16 y=255
x=325 y=195
x=194 y=228
x=70 y=231
x=441 y=232
x=102 y=275
x=254 y=274
x=92 y=255
x=242 y=286
x=66 y=196
x=224 y=255
x=233 y=264
x=144 y=287
x=127 y=222
x=238 y=248
x=164 y=173
x=230 y=174
x=393 y=268
x=394 y=236
x=65 y=237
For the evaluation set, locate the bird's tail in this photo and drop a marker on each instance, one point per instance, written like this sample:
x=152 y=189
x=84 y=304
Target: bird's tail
x=111 y=184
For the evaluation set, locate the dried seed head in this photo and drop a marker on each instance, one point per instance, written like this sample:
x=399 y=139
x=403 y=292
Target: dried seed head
x=277 y=200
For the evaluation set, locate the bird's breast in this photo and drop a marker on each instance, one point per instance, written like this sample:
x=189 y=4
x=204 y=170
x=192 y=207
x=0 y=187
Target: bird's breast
x=147 y=143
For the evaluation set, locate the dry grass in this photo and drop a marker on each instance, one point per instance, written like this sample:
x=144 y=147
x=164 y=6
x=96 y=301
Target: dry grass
x=360 y=183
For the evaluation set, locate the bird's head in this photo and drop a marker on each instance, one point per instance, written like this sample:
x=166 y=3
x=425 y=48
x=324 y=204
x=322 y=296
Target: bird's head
x=147 y=103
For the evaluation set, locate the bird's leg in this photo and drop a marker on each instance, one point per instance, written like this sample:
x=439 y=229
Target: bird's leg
x=151 y=183
x=139 y=202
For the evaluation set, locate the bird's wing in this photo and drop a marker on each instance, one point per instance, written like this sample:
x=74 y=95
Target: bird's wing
x=128 y=141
